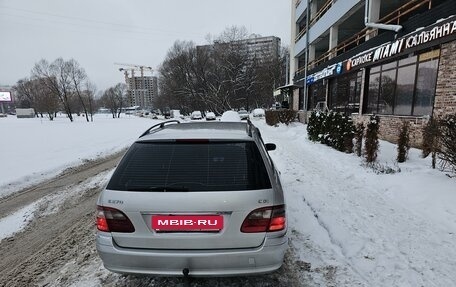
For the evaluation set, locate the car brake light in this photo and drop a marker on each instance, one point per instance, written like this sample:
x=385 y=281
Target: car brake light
x=112 y=220
x=193 y=141
x=265 y=219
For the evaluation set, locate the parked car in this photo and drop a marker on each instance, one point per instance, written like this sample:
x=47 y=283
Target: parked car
x=167 y=113
x=230 y=116
x=199 y=199
x=258 y=113
x=196 y=115
x=243 y=114
x=210 y=116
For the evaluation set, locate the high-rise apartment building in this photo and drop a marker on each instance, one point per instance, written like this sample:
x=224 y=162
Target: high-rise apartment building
x=395 y=59
x=142 y=90
x=261 y=48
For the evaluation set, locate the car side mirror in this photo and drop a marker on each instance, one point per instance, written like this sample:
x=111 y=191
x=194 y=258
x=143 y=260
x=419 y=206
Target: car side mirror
x=270 y=146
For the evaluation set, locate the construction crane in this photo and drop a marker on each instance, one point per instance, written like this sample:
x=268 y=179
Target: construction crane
x=133 y=68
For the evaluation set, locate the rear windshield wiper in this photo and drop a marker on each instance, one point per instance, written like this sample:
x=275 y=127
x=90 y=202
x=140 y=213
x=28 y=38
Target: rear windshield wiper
x=157 y=188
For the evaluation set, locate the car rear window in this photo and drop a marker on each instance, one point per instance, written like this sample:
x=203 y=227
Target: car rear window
x=191 y=166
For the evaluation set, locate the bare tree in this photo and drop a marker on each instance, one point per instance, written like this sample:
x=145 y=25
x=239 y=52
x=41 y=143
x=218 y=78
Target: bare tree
x=78 y=78
x=36 y=94
x=109 y=101
x=56 y=78
x=114 y=98
x=24 y=91
x=232 y=34
x=46 y=100
x=218 y=77
x=90 y=90
x=120 y=94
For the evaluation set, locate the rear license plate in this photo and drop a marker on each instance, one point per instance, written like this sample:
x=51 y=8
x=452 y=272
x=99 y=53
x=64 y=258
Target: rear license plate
x=187 y=222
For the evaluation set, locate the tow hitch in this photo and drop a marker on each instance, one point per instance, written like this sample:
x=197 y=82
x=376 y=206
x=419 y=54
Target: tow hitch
x=186 y=280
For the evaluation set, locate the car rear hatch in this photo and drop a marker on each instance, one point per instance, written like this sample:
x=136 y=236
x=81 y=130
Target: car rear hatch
x=190 y=194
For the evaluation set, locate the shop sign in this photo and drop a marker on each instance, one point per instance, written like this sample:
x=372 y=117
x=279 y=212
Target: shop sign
x=430 y=35
x=402 y=45
x=429 y=55
x=329 y=71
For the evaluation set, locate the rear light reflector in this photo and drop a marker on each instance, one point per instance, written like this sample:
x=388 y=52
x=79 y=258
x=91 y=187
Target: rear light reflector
x=265 y=219
x=112 y=220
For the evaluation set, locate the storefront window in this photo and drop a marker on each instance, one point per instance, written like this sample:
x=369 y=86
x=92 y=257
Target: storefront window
x=317 y=94
x=403 y=87
x=404 y=90
x=386 y=96
x=345 y=93
x=374 y=88
x=425 y=87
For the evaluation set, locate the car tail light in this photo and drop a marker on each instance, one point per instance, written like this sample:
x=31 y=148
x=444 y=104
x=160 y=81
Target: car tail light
x=112 y=220
x=265 y=219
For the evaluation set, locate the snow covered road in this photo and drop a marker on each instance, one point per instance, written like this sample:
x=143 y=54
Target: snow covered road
x=348 y=226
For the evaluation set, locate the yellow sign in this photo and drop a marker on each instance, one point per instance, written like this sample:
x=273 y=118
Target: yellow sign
x=429 y=55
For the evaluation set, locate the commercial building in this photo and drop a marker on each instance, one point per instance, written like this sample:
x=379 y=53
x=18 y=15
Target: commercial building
x=395 y=59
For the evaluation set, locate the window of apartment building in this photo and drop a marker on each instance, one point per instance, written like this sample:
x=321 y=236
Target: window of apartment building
x=403 y=87
x=344 y=93
x=317 y=94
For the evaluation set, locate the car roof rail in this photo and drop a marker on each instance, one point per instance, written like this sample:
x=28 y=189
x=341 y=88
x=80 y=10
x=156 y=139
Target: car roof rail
x=159 y=125
x=250 y=127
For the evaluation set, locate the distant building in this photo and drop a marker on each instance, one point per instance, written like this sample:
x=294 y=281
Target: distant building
x=7 y=106
x=260 y=48
x=395 y=59
x=263 y=47
x=142 y=90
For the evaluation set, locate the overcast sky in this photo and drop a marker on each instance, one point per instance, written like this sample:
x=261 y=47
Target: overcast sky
x=98 y=33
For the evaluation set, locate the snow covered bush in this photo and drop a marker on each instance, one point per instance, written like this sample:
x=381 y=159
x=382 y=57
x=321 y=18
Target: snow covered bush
x=359 y=135
x=280 y=116
x=448 y=140
x=431 y=140
x=371 y=144
x=287 y=116
x=403 y=142
x=332 y=129
x=315 y=125
x=272 y=118
x=348 y=133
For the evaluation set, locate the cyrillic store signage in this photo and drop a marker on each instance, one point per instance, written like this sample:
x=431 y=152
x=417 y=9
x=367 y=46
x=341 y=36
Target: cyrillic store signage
x=329 y=71
x=434 y=32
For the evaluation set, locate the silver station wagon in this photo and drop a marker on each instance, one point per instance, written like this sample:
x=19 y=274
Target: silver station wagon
x=194 y=199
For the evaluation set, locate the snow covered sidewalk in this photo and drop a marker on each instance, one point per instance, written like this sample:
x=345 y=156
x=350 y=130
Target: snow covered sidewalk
x=361 y=227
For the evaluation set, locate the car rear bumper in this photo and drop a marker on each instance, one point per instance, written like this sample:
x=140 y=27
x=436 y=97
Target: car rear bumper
x=263 y=259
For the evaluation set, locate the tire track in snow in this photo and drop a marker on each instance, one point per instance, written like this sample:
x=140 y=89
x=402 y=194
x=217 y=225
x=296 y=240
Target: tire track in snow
x=15 y=201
